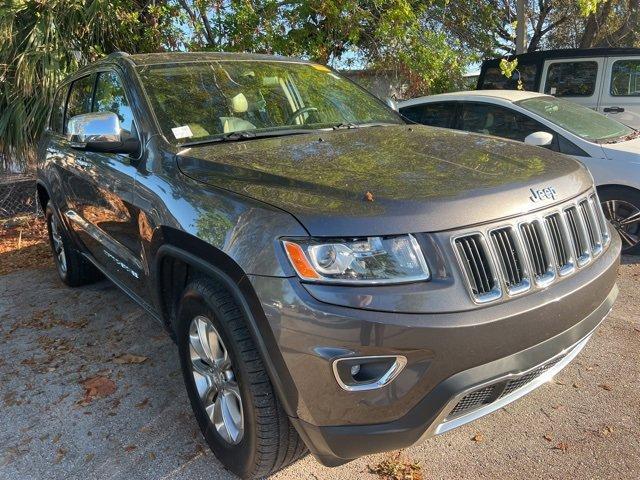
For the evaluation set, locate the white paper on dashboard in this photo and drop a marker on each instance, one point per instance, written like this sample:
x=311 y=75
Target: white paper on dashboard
x=182 y=132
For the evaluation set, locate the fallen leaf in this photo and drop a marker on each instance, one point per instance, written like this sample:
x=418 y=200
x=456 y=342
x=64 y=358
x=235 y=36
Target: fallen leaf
x=130 y=358
x=142 y=404
x=198 y=451
x=561 y=446
x=575 y=385
x=547 y=437
x=368 y=196
x=130 y=448
x=396 y=468
x=478 y=437
x=88 y=457
x=152 y=456
x=606 y=387
x=60 y=454
x=96 y=387
x=606 y=431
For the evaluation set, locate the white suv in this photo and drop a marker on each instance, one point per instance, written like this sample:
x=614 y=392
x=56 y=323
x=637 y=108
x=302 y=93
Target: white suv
x=604 y=79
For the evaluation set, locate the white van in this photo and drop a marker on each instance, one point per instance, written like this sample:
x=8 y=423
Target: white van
x=604 y=79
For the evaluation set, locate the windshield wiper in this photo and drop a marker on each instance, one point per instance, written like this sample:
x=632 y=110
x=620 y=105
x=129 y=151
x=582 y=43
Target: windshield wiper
x=349 y=125
x=346 y=125
x=246 y=135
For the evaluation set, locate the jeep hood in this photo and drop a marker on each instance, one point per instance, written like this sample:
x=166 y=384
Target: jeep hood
x=420 y=179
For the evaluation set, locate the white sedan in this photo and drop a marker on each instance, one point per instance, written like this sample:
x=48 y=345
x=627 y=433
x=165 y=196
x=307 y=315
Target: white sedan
x=608 y=148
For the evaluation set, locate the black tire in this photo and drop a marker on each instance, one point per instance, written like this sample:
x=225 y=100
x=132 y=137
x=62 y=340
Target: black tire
x=269 y=441
x=76 y=270
x=627 y=200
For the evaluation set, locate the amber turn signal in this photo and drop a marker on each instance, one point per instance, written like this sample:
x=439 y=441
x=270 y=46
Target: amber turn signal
x=299 y=260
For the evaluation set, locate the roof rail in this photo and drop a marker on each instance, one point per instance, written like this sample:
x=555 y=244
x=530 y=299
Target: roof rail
x=117 y=55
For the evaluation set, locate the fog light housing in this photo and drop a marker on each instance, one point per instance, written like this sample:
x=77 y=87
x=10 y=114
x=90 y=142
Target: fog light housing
x=357 y=374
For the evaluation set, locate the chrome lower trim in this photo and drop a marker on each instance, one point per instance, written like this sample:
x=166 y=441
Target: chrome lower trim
x=385 y=379
x=442 y=425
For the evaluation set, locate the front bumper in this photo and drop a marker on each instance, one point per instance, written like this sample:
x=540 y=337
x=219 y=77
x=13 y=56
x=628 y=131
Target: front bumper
x=448 y=357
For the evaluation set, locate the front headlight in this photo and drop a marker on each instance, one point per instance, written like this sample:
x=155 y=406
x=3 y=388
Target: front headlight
x=371 y=260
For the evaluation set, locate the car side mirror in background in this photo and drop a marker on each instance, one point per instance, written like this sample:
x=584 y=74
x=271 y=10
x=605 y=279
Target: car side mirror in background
x=539 y=139
x=100 y=132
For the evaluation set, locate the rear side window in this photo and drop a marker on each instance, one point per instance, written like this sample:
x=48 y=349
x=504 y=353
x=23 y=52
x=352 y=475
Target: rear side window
x=625 y=78
x=434 y=114
x=57 y=112
x=498 y=121
x=495 y=80
x=80 y=97
x=571 y=79
x=110 y=97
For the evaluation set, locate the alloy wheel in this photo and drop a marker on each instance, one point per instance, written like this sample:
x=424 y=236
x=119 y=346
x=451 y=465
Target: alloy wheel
x=625 y=217
x=215 y=380
x=58 y=245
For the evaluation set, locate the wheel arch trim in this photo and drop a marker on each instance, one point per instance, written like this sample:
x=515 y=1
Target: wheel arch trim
x=41 y=188
x=606 y=186
x=222 y=268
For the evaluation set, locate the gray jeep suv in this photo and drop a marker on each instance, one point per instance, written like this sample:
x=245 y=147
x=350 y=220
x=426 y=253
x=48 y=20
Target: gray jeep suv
x=335 y=279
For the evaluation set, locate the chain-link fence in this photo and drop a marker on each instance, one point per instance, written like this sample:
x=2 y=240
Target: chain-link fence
x=18 y=195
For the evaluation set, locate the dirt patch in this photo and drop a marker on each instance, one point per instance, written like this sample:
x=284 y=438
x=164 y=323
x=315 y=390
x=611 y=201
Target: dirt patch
x=23 y=244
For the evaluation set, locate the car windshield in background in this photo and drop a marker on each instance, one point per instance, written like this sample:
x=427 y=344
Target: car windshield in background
x=208 y=100
x=579 y=120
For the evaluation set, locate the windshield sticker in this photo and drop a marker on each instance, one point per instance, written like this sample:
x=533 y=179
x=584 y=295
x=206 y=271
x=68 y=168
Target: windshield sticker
x=182 y=132
x=553 y=90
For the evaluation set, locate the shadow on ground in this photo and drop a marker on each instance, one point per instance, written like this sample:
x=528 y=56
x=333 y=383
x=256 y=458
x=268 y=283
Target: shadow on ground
x=51 y=339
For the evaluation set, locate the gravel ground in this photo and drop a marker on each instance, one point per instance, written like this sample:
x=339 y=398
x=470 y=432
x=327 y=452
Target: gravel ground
x=74 y=407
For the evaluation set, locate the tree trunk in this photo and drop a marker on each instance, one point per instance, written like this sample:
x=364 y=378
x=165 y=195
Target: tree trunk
x=628 y=33
x=593 y=24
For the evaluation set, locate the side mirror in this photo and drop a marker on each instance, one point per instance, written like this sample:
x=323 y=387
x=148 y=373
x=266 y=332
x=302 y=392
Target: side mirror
x=392 y=103
x=539 y=139
x=100 y=132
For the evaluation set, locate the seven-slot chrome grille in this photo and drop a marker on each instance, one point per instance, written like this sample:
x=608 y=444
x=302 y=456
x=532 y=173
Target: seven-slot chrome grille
x=512 y=258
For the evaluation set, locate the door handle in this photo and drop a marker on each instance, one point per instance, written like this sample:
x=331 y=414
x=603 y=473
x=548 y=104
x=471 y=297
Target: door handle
x=82 y=162
x=613 y=109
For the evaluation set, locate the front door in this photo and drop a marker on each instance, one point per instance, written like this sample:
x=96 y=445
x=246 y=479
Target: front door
x=105 y=213
x=620 y=97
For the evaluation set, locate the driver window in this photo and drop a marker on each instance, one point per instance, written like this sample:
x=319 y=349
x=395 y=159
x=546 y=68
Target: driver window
x=80 y=98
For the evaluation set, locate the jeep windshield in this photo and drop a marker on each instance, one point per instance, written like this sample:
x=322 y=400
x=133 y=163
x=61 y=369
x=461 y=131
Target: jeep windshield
x=196 y=102
x=581 y=121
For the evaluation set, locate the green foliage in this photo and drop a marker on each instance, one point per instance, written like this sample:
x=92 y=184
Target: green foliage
x=405 y=38
x=587 y=7
x=43 y=41
x=595 y=23
x=508 y=68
